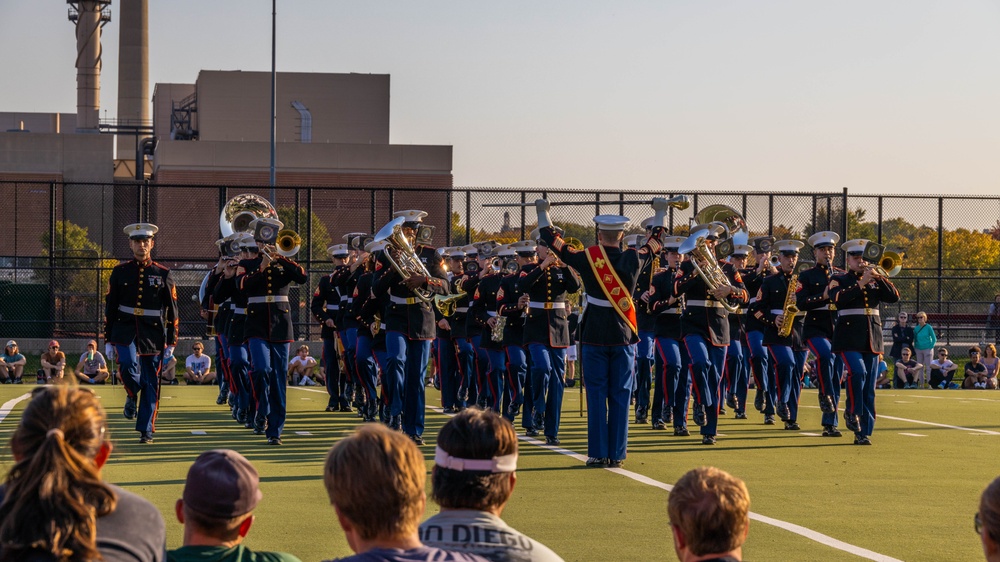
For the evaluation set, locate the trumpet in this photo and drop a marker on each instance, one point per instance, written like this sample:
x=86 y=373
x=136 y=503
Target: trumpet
x=446 y=303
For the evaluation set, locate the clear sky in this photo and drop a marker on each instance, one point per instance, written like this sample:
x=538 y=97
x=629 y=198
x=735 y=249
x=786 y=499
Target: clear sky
x=899 y=96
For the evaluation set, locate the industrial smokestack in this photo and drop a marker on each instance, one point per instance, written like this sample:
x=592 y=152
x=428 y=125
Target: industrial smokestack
x=133 y=71
x=89 y=17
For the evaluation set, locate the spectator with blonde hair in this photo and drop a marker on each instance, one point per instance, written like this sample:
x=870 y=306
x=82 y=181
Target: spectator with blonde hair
x=709 y=513
x=375 y=481
x=924 y=340
x=472 y=480
x=55 y=505
x=992 y=363
x=988 y=521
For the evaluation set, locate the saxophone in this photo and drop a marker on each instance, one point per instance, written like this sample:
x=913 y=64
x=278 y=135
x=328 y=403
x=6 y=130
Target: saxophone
x=496 y=334
x=652 y=272
x=790 y=310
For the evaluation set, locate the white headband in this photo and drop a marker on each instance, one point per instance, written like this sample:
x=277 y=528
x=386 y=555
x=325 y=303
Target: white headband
x=506 y=463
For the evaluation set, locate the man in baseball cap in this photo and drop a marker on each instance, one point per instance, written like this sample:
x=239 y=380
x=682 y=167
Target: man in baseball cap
x=220 y=493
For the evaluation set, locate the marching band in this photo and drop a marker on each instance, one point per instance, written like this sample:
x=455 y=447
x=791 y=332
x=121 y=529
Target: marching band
x=695 y=320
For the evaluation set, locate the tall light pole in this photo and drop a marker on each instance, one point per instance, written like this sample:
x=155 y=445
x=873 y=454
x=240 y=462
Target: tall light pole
x=274 y=108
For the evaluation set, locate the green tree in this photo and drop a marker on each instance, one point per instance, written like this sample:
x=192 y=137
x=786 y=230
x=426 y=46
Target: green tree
x=80 y=273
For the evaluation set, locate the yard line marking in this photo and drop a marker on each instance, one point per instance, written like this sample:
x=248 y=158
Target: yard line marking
x=791 y=527
x=810 y=434
x=8 y=406
x=938 y=397
x=921 y=422
x=307 y=389
x=913 y=434
x=198 y=432
x=303 y=433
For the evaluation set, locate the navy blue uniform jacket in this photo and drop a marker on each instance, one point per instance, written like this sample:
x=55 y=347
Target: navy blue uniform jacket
x=147 y=286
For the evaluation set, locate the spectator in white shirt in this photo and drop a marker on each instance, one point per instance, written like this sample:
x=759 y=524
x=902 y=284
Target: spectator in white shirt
x=943 y=371
x=302 y=369
x=198 y=367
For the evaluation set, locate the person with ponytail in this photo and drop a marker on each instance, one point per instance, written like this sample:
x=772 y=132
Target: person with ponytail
x=54 y=504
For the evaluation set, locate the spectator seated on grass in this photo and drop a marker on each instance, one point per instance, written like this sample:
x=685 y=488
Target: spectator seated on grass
x=907 y=369
x=220 y=493
x=943 y=371
x=472 y=480
x=168 y=370
x=92 y=368
x=988 y=521
x=709 y=512
x=302 y=369
x=883 y=380
x=53 y=363
x=54 y=500
x=976 y=372
x=375 y=481
x=198 y=366
x=11 y=364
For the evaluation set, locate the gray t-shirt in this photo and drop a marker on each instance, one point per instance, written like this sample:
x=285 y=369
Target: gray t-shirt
x=485 y=534
x=91 y=366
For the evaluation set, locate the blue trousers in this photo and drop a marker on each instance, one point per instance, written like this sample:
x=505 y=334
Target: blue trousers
x=224 y=378
x=676 y=379
x=548 y=365
x=736 y=368
x=270 y=375
x=645 y=352
x=239 y=367
x=406 y=369
x=706 y=374
x=482 y=361
x=862 y=372
x=788 y=366
x=365 y=367
x=448 y=373
x=760 y=368
x=829 y=366
x=466 y=370
x=141 y=379
x=349 y=339
x=608 y=372
x=495 y=380
x=517 y=372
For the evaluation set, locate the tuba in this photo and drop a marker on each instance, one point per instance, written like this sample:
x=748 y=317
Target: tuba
x=735 y=232
x=401 y=256
x=243 y=209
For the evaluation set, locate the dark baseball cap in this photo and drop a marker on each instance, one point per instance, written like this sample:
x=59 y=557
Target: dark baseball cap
x=223 y=484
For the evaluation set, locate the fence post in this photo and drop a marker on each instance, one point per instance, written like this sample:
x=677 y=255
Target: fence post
x=447 y=223
x=523 y=211
x=770 y=215
x=372 y=192
x=878 y=224
x=52 y=252
x=468 y=218
x=940 y=252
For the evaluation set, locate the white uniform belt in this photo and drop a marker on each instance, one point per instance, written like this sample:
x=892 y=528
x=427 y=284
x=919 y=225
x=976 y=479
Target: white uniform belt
x=350 y=300
x=138 y=311
x=598 y=302
x=401 y=300
x=778 y=311
x=333 y=307
x=491 y=313
x=858 y=312
x=462 y=309
x=268 y=298
x=752 y=300
x=239 y=310
x=547 y=305
x=706 y=304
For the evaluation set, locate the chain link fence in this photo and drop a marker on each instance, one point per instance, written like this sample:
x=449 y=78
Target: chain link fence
x=61 y=240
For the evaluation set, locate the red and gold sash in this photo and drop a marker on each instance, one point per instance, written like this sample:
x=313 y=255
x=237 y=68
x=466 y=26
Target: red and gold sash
x=614 y=290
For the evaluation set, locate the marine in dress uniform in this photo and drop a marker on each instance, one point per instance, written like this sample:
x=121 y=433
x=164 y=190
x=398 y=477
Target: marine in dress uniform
x=347 y=325
x=366 y=311
x=409 y=329
x=788 y=352
x=672 y=387
x=141 y=322
x=737 y=359
x=459 y=381
x=475 y=264
x=513 y=306
x=268 y=330
x=546 y=334
x=483 y=311
x=608 y=332
x=217 y=313
x=325 y=306
x=646 y=347
x=239 y=354
x=857 y=295
x=705 y=326
x=761 y=365
x=821 y=318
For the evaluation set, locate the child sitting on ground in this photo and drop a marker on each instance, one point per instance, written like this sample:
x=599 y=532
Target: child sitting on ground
x=303 y=369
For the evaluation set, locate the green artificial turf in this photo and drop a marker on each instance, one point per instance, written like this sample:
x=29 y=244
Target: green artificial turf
x=906 y=497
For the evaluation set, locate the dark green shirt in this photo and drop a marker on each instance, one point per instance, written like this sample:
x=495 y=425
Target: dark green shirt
x=238 y=553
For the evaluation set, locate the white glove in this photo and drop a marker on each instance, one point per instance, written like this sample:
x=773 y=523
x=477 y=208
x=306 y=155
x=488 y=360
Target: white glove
x=169 y=352
x=109 y=350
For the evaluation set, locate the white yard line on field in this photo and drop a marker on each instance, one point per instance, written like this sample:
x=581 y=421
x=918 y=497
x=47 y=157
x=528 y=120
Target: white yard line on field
x=8 y=406
x=790 y=527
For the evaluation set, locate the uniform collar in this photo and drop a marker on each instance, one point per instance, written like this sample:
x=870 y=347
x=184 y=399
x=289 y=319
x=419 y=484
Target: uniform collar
x=146 y=263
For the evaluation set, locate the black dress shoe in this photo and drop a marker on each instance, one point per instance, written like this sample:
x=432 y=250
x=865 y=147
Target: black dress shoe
x=852 y=423
x=792 y=426
x=145 y=438
x=722 y=410
x=862 y=441
x=708 y=440
x=274 y=440
x=826 y=404
x=221 y=398
x=552 y=440
x=768 y=419
x=782 y=411
x=681 y=432
x=596 y=462
x=641 y=420
x=417 y=439
x=258 y=430
x=658 y=424
x=346 y=408
x=616 y=463
x=731 y=401
x=831 y=431
x=129 y=410
x=741 y=416
x=698 y=414
x=758 y=402
x=668 y=418
x=531 y=432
